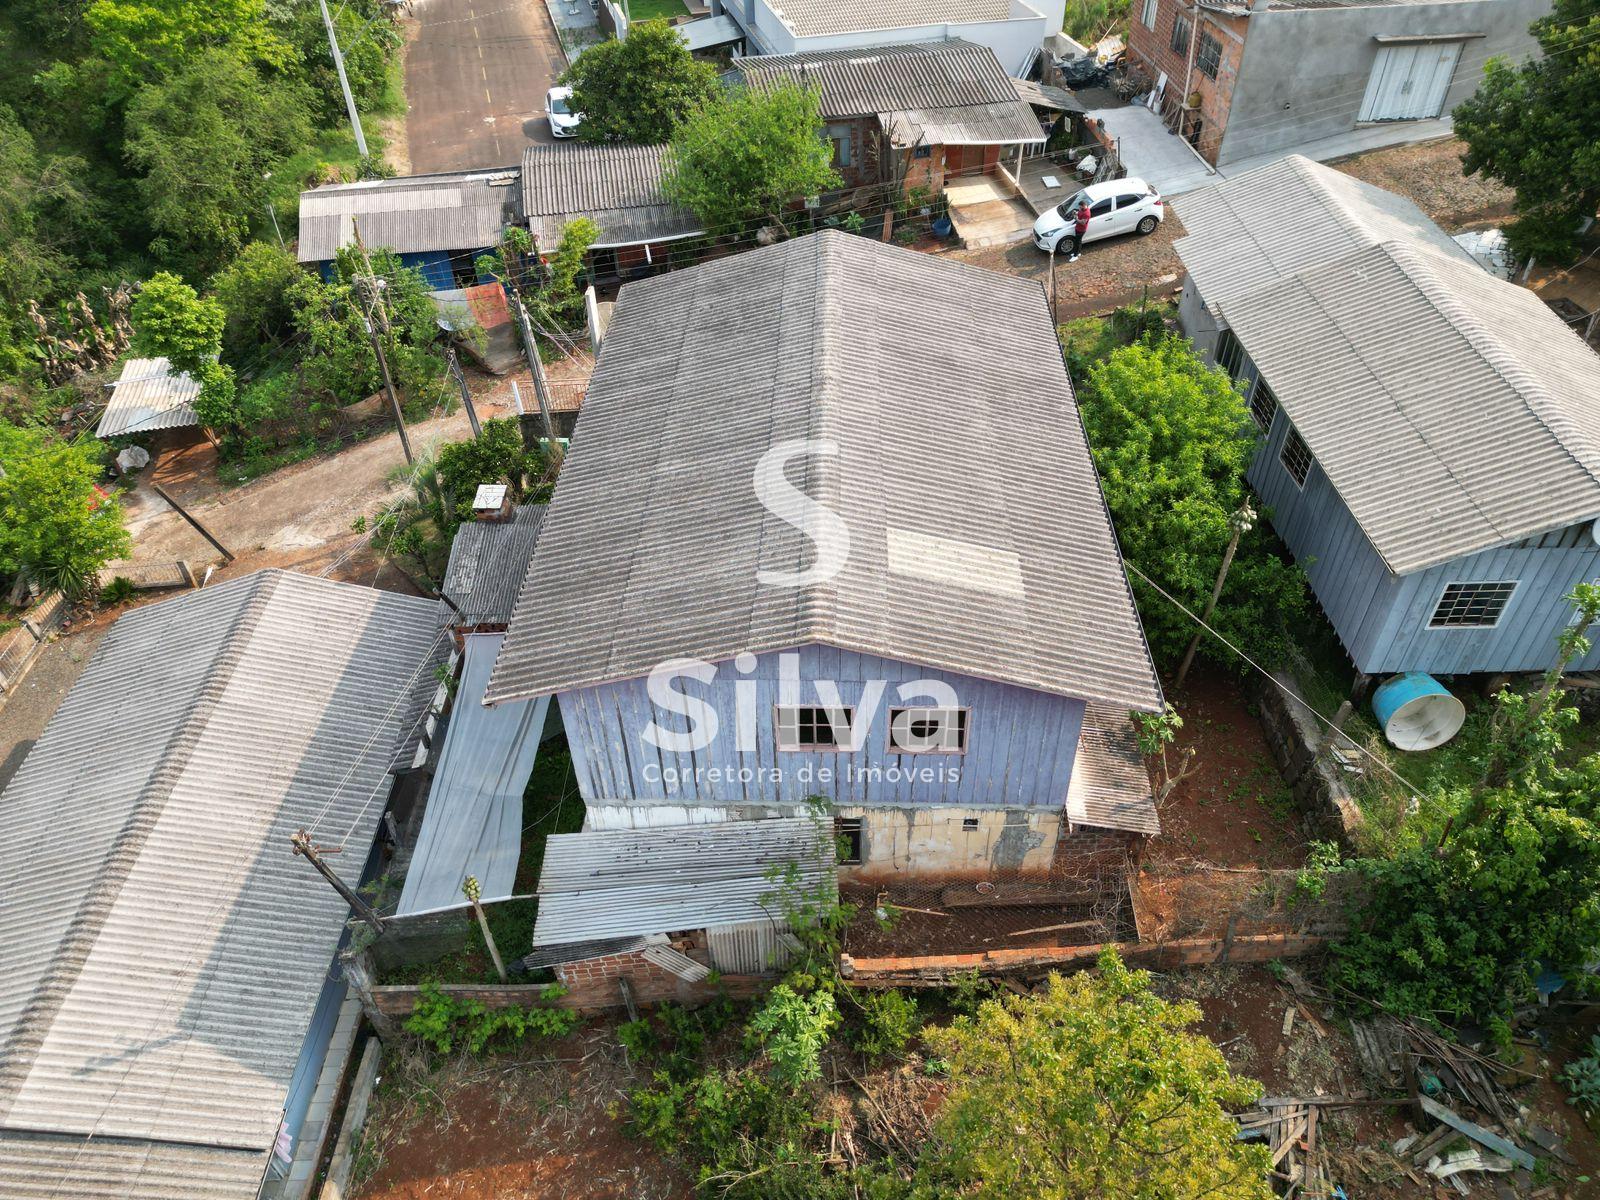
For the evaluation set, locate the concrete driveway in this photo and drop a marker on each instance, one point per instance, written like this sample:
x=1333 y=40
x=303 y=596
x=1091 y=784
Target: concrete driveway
x=476 y=77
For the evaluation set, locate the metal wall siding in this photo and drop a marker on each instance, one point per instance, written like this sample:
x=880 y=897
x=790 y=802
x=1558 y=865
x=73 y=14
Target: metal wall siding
x=1021 y=743
x=746 y=947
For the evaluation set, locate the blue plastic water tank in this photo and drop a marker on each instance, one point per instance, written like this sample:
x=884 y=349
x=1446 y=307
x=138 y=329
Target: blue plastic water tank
x=1417 y=712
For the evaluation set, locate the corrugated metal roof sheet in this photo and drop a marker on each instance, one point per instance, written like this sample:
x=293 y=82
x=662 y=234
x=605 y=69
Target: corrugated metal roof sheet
x=37 y=1166
x=473 y=821
x=1110 y=787
x=488 y=561
x=979 y=545
x=617 y=186
x=705 y=33
x=1451 y=410
x=1250 y=231
x=415 y=214
x=611 y=883
x=1046 y=96
x=571 y=952
x=164 y=950
x=817 y=18
x=147 y=396
x=861 y=82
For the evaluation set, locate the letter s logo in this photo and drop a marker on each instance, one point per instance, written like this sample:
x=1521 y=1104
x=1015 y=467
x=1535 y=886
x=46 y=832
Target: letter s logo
x=826 y=528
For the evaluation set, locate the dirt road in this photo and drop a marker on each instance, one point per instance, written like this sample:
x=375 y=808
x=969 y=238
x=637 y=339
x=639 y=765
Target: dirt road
x=476 y=76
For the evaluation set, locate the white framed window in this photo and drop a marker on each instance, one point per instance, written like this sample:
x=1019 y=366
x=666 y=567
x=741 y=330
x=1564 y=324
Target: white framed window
x=1148 y=17
x=1296 y=457
x=928 y=730
x=1208 y=56
x=1263 y=405
x=814 y=727
x=1475 y=605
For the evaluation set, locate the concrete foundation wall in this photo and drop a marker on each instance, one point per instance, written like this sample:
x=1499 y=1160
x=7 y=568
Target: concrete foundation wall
x=1305 y=71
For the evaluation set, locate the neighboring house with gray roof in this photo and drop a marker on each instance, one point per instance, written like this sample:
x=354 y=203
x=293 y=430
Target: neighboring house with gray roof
x=1014 y=29
x=1431 y=439
x=972 y=607
x=167 y=993
x=912 y=113
x=438 y=224
x=616 y=185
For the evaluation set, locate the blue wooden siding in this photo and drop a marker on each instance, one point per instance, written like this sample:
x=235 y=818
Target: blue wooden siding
x=1020 y=743
x=1383 y=619
x=434 y=265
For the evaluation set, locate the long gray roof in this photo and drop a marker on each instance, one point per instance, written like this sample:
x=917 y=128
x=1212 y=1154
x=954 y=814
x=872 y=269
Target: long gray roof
x=952 y=93
x=462 y=210
x=163 y=949
x=1451 y=410
x=817 y=18
x=488 y=561
x=622 y=882
x=1254 y=229
x=147 y=396
x=616 y=185
x=948 y=441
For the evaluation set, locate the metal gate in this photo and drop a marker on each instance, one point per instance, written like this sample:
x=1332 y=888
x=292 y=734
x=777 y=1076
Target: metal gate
x=1409 y=81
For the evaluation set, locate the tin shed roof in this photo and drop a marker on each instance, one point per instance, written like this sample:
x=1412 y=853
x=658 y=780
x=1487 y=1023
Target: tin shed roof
x=488 y=561
x=622 y=882
x=954 y=93
x=164 y=950
x=978 y=541
x=1110 y=787
x=818 y=18
x=147 y=396
x=616 y=185
x=414 y=214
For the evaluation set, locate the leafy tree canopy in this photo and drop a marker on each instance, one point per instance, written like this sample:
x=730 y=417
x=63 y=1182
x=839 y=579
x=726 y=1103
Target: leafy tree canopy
x=53 y=523
x=204 y=140
x=171 y=321
x=1171 y=440
x=640 y=88
x=144 y=40
x=1536 y=128
x=253 y=291
x=1094 y=1088
x=749 y=155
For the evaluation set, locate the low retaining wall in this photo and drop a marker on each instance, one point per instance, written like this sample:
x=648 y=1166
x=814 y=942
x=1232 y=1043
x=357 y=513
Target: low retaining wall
x=597 y=996
x=1294 y=735
x=21 y=646
x=937 y=970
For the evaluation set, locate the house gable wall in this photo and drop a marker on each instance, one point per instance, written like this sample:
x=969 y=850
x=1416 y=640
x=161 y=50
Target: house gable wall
x=1020 y=744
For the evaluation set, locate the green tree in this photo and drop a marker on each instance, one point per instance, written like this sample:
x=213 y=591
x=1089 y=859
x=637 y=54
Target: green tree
x=640 y=88
x=171 y=321
x=1171 y=440
x=203 y=142
x=749 y=155
x=253 y=291
x=497 y=456
x=147 y=40
x=1536 y=128
x=54 y=525
x=1095 y=1088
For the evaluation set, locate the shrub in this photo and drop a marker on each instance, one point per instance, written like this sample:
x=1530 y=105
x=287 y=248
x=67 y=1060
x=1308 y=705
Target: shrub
x=119 y=591
x=793 y=1030
x=890 y=1022
x=1581 y=1077
x=443 y=1022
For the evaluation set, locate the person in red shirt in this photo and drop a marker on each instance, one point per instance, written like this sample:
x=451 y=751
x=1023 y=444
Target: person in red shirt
x=1080 y=226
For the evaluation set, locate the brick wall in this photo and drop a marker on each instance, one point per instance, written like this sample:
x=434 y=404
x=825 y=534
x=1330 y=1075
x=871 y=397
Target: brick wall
x=593 y=982
x=1151 y=51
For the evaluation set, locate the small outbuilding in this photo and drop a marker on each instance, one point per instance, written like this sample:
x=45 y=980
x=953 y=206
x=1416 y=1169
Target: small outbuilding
x=147 y=397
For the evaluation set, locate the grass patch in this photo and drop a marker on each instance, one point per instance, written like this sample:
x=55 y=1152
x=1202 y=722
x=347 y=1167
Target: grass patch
x=655 y=10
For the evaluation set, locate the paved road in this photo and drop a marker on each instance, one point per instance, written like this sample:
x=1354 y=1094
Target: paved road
x=476 y=77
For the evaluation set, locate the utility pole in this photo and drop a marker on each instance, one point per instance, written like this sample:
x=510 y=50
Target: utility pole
x=536 y=367
x=466 y=392
x=373 y=297
x=344 y=82
x=303 y=846
x=1241 y=523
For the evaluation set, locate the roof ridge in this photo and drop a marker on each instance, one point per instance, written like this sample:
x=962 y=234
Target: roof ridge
x=72 y=952
x=1527 y=384
x=817 y=601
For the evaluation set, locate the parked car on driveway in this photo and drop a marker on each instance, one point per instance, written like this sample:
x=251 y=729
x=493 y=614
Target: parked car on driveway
x=1116 y=206
x=558 y=110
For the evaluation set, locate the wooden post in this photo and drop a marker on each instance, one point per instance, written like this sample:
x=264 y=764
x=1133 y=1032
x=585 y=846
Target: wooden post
x=199 y=528
x=472 y=892
x=1336 y=726
x=301 y=841
x=357 y=968
x=1241 y=522
x=536 y=369
x=466 y=392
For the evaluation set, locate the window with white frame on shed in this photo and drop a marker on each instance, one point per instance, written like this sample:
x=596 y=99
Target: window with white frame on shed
x=1295 y=456
x=1472 y=605
x=1149 y=15
x=814 y=727
x=927 y=731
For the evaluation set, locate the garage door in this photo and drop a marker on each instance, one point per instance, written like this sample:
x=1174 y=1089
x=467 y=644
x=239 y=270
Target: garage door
x=1409 y=82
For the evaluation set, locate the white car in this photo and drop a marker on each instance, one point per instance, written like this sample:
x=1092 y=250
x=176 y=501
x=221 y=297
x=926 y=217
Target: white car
x=1116 y=206
x=558 y=110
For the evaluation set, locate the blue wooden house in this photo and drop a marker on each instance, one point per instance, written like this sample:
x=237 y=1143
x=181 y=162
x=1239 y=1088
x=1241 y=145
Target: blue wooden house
x=773 y=572
x=1430 y=433
x=438 y=224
